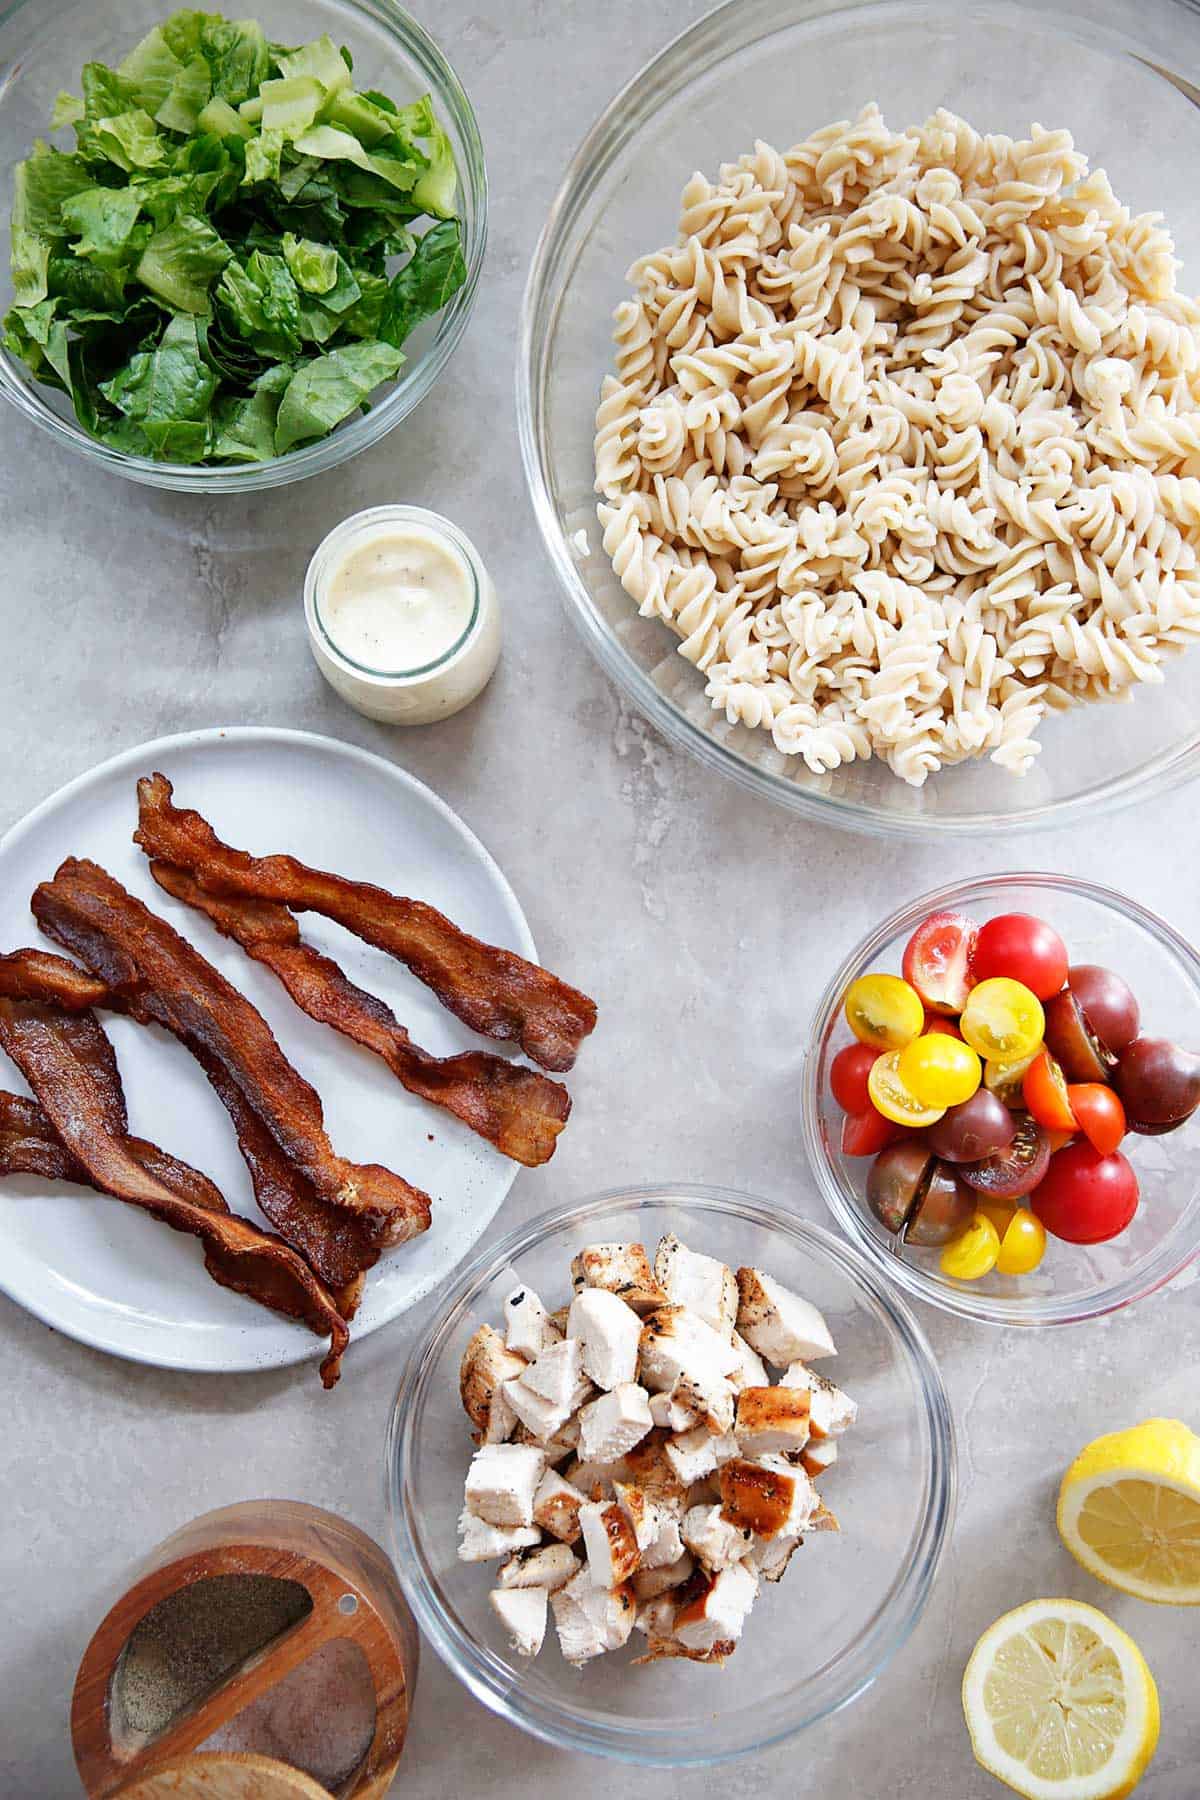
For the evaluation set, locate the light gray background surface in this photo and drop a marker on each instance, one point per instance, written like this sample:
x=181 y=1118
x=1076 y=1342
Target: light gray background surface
x=704 y=922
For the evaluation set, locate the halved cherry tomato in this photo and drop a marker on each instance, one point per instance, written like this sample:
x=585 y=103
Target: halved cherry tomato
x=891 y=1095
x=938 y=1022
x=1045 y=1091
x=1022 y=1244
x=937 y=960
x=1086 y=1198
x=972 y=1254
x=1024 y=949
x=1099 y=1114
x=883 y=1011
x=1058 y=1140
x=939 y=1070
x=866 y=1133
x=848 y=1074
x=1002 y=1019
x=1004 y=1078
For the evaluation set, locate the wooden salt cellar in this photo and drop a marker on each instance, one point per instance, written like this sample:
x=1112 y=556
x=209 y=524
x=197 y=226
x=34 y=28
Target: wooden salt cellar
x=354 y=1598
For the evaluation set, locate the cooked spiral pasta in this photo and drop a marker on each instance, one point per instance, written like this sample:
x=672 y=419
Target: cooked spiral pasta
x=904 y=443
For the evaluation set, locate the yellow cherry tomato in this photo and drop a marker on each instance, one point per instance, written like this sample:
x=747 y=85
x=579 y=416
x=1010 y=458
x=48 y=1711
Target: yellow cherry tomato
x=940 y=1070
x=1000 y=1212
x=1004 y=1079
x=1022 y=1245
x=1002 y=1019
x=973 y=1253
x=883 y=1011
x=896 y=1101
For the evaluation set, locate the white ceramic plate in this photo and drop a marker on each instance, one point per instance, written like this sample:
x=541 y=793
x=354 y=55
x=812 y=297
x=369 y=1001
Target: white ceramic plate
x=110 y=1276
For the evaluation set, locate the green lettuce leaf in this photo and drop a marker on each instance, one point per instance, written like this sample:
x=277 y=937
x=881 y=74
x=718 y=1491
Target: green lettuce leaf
x=314 y=266
x=244 y=430
x=181 y=262
x=329 y=388
x=435 y=271
x=168 y=392
x=189 y=95
x=30 y=263
x=261 y=302
x=321 y=59
x=129 y=139
x=150 y=71
x=68 y=110
x=238 y=56
x=101 y=221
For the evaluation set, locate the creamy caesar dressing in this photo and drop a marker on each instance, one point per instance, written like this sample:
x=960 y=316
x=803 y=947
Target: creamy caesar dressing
x=398 y=599
x=403 y=619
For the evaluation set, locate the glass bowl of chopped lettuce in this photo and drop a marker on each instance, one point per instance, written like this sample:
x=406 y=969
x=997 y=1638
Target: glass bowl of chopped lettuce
x=240 y=251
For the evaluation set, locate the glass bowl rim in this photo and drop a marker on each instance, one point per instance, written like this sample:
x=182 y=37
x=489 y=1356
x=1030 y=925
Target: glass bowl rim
x=415 y=379
x=1169 y=1258
x=482 y=1673
x=689 y=56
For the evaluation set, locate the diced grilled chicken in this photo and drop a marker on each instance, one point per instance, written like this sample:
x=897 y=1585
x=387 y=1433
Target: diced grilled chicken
x=556 y=1507
x=558 y=1318
x=595 y=1480
x=712 y=1539
x=558 y=1375
x=486 y=1365
x=671 y=1414
x=822 y=1519
x=609 y=1541
x=818 y=1455
x=697 y=1453
x=549 y=1566
x=715 y=1607
x=541 y=1418
x=771 y=1420
x=482 y=1542
x=779 y=1324
x=649 y=1583
x=502 y=1481
x=609 y=1332
x=700 y=1283
x=751 y=1370
x=655 y=1618
x=655 y=1529
x=528 y=1330
x=771 y=1556
x=522 y=1611
x=770 y=1497
x=612 y=1425
x=623 y=1269
x=649 y=1466
x=556 y=1449
x=684 y=1357
x=831 y=1412
x=591 y=1619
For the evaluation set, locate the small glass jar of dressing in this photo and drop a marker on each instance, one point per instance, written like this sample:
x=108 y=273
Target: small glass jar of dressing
x=403 y=618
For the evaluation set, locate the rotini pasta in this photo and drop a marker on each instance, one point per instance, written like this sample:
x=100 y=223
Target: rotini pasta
x=904 y=443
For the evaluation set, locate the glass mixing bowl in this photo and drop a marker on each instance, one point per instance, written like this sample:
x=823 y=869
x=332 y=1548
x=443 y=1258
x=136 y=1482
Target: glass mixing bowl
x=848 y=1603
x=1075 y=1281
x=1113 y=71
x=43 y=46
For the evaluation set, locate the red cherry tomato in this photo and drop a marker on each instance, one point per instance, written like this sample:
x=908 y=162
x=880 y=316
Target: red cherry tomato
x=937 y=961
x=848 y=1074
x=1023 y=948
x=947 y=1027
x=1084 y=1197
x=1044 y=1089
x=867 y=1133
x=1099 y=1114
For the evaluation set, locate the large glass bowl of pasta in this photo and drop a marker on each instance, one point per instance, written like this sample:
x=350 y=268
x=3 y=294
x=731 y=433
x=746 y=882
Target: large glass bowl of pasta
x=893 y=423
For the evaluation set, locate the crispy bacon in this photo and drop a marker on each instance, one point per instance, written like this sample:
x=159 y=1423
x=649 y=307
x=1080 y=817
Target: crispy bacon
x=157 y=977
x=494 y=991
x=337 y=1244
x=69 y=1063
x=514 y=1107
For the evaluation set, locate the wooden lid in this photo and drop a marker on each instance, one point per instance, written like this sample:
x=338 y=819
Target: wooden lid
x=222 y=1777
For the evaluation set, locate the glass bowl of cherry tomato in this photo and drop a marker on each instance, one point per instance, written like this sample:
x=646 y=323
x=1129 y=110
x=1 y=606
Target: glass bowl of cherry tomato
x=999 y=1099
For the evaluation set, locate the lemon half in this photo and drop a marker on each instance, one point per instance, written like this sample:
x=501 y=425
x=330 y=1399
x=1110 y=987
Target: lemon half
x=1060 y=1704
x=1129 y=1511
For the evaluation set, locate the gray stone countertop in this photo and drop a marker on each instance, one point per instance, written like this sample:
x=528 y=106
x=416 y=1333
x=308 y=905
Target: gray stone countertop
x=705 y=921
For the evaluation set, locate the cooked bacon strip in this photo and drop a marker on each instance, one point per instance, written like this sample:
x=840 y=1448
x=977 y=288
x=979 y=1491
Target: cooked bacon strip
x=160 y=979
x=494 y=991
x=514 y=1107
x=69 y=1063
x=337 y=1244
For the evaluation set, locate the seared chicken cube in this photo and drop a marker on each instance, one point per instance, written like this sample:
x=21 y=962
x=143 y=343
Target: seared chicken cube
x=751 y=1370
x=712 y=1540
x=700 y=1283
x=609 y=1332
x=596 y=1480
x=655 y=1618
x=822 y=1519
x=671 y=1414
x=556 y=1507
x=609 y=1541
x=563 y=1442
x=779 y=1324
x=715 y=1607
x=590 y=1619
x=685 y=1358
x=482 y=1542
x=697 y=1453
x=771 y=1556
x=542 y=1418
x=623 y=1269
x=649 y=1583
x=830 y=1411
x=522 y=1612
x=649 y=1466
x=486 y=1365
x=613 y=1424
x=770 y=1497
x=771 y=1420
x=550 y=1566
x=502 y=1481
x=558 y=1375
x=818 y=1455
x=528 y=1330
x=655 y=1529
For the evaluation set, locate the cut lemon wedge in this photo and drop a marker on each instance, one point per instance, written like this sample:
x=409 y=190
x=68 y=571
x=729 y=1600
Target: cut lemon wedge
x=1060 y=1704
x=1129 y=1511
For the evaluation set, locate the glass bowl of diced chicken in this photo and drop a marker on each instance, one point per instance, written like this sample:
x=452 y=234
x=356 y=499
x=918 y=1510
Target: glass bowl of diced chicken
x=670 y=1476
